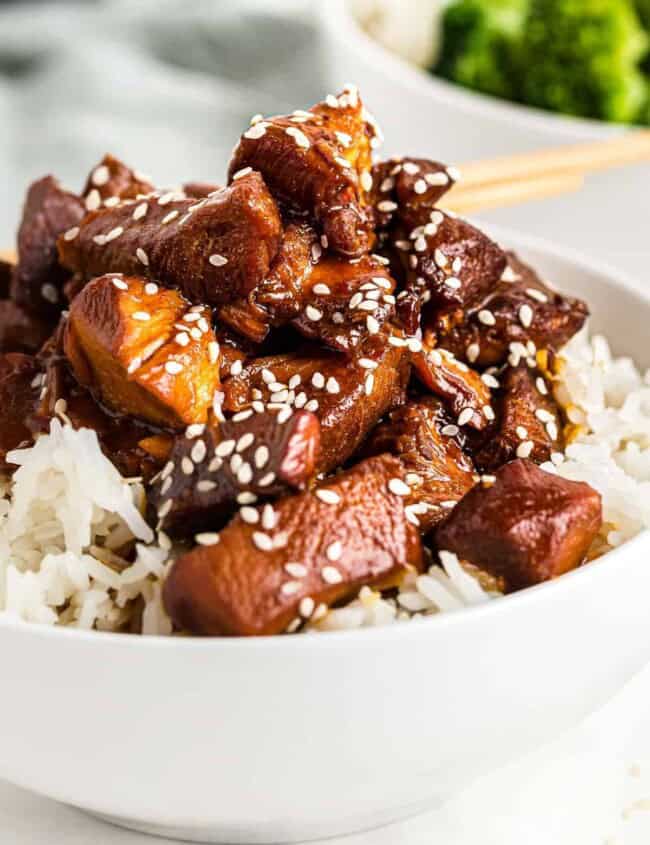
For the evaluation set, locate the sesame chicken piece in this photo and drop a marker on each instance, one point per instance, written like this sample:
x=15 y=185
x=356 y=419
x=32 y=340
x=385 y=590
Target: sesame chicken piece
x=466 y=395
x=519 y=311
x=430 y=446
x=112 y=180
x=19 y=389
x=214 y=249
x=526 y=527
x=318 y=162
x=50 y=212
x=409 y=189
x=280 y=296
x=449 y=266
x=528 y=421
x=302 y=554
x=143 y=350
x=250 y=458
x=349 y=396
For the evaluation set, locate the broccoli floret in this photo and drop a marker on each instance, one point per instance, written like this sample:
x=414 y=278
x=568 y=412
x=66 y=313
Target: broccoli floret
x=479 y=39
x=583 y=57
x=643 y=11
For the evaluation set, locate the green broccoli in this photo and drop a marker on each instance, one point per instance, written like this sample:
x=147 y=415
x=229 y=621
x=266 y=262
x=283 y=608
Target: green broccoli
x=583 y=57
x=643 y=11
x=479 y=39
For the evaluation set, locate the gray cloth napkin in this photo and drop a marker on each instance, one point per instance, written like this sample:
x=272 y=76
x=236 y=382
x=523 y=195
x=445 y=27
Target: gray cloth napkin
x=168 y=85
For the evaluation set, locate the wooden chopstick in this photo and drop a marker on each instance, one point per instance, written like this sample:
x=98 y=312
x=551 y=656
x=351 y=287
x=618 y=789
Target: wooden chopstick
x=628 y=148
x=492 y=195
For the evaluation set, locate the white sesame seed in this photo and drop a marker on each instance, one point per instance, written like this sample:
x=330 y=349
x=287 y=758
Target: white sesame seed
x=420 y=186
x=369 y=384
x=411 y=168
x=213 y=351
x=93 y=200
x=438 y=178
x=217 y=260
x=472 y=352
x=329 y=497
x=187 y=466
x=332 y=385
x=450 y=430
x=299 y=137
x=539 y=295
x=235 y=463
x=208 y=538
x=284 y=415
x=318 y=380
x=331 y=574
x=142 y=256
x=261 y=457
x=453 y=282
x=414 y=344
x=486 y=317
x=386 y=206
x=246 y=498
x=119 y=284
x=245 y=474
x=312 y=405
x=257 y=130
x=242 y=415
x=290 y=588
x=541 y=386
x=266 y=480
x=215 y=465
x=49 y=293
x=334 y=551
x=396 y=341
x=71 y=234
x=306 y=607
x=544 y=415
x=173 y=367
x=199 y=451
x=524 y=449
x=249 y=514
x=488 y=413
x=313 y=314
x=141 y=316
x=551 y=430
x=526 y=315
x=321 y=290
x=465 y=416
x=194 y=430
x=182 y=339
x=440 y=258
x=454 y=173
x=372 y=324
x=263 y=542
x=140 y=211
x=366 y=180
x=245 y=441
x=489 y=380
x=241 y=173
x=398 y=487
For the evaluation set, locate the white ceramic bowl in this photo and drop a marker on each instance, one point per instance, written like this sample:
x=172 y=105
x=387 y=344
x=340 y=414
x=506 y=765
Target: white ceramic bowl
x=458 y=123
x=289 y=738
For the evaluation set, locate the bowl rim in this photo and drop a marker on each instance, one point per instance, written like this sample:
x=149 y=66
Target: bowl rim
x=340 y=20
x=370 y=635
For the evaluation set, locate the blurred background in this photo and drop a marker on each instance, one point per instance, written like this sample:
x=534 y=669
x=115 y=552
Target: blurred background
x=168 y=85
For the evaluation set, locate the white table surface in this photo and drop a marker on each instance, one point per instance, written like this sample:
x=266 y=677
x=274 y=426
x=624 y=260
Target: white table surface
x=582 y=790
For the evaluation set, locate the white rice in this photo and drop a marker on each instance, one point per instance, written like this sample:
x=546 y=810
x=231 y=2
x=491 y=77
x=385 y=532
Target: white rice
x=67 y=517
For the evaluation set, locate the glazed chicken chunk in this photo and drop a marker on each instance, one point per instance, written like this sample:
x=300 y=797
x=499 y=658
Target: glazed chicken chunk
x=528 y=420
x=212 y=249
x=348 y=397
x=211 y=470
x=317 y=163
x=526 y=527
x=430 y=447
x=144 y=350
x=299 y=556
x=50 y=212
x=521 y=310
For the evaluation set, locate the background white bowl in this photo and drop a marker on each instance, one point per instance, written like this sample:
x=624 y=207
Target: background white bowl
x=425 y=115
x=290 y=738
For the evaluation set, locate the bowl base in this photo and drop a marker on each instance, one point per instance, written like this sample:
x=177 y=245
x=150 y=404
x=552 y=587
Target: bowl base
x=285 y=834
